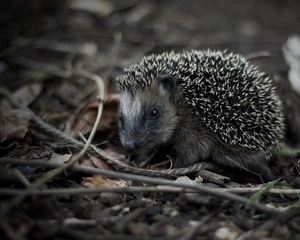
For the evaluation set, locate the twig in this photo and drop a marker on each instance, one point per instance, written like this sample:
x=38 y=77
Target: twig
x=75 y=159
x=123 y=166
x=254 y=233
x=257 y=55
x=53 y=70
x=258 y=195
x=22 y=178
x=163 y=173
x=249 y=190
x=200 y=188
x=13 y=175
x=93 y=150
x=79 y=222
x=110 y=160
x=271 y=224
x=213 y=177
x=82 y=190
x=79 y=191
x=91 y=171
x=191 y=233
x=51 y=174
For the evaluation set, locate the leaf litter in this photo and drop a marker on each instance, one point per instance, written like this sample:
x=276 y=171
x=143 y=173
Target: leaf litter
x=78 y=35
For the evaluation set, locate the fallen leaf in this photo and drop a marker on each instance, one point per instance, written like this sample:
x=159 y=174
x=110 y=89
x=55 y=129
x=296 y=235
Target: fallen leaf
x=24 y=95
x=95 y=162
x=88 y=114
x=59 y=158
x=227 y=232
x=14 y=124
x=112 y=152
x=185 y=179
x=101 y=181
x=110 y=111
x=99 y=163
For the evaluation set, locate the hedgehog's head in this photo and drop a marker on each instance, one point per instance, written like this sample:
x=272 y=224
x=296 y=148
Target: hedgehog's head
x=148 y=115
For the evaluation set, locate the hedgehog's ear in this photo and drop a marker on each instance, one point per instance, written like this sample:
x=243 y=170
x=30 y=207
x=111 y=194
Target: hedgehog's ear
x=116 y=71
x=167 y=84
x=115 y=74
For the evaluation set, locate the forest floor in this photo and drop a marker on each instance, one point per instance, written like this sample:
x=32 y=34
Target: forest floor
x=57 y=63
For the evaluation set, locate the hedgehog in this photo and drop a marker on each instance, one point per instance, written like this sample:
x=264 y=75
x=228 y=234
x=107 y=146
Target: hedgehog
x=209 y=105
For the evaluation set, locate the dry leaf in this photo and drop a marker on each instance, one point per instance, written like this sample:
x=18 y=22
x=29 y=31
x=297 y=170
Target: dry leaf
x=95 y=162
x=227 y=232
x=24 y=95
x=14 y=124
x=99 y=163
x=88 y=114
x=185 y=179
x=110 y=111
x=58 y=158
x=112 y=152
x=85 y=122
x=100 y=181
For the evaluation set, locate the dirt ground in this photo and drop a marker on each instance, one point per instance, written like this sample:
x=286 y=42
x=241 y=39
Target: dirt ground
x=51 y=54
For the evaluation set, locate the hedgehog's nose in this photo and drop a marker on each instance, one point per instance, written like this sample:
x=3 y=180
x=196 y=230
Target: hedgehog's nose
x=131 y=146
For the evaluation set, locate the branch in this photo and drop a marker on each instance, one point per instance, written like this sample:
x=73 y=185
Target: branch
x=51 y=174
x=158 y=181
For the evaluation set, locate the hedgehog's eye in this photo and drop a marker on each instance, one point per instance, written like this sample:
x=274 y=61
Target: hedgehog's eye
x=154 y=113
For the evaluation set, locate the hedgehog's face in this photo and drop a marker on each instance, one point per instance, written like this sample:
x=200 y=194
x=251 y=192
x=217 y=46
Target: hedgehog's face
x=148 y=117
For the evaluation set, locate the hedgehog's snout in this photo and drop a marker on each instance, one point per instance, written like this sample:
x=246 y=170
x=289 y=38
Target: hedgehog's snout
x=131 y=146
x=132 y=141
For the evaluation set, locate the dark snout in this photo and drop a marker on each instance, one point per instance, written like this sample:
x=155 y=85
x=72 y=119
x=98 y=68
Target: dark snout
x=131 y=146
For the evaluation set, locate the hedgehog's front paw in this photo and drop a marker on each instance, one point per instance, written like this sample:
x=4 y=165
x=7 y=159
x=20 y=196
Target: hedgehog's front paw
x=263 y=170
x=178 y=163
x=184 y=162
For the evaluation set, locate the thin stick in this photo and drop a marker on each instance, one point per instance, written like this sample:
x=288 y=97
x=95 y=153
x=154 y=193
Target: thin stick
x=103 y=155
x=257 y=55
x=53 y=70
x=51 y=174
x=95 y=190
x=81 y=190
x=90 y=171
x=158 y=181
x=22 y=178
x=192 y=231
